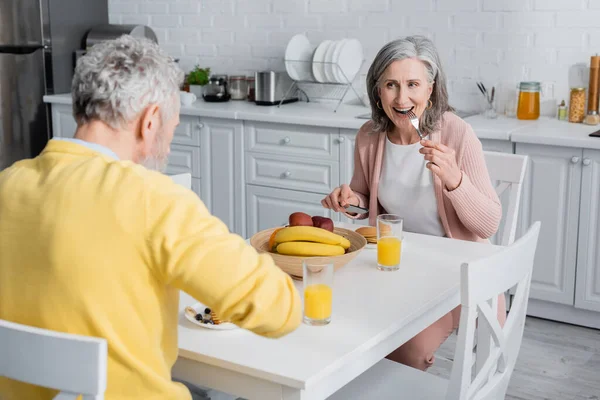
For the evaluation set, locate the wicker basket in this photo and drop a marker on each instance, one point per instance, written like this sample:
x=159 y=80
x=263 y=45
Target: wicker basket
x=293 y=264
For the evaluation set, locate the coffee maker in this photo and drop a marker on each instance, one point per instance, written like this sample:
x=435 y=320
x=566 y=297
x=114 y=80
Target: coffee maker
x=217 y=89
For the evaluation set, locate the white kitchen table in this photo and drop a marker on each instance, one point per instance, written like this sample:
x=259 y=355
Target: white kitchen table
x=374 y=312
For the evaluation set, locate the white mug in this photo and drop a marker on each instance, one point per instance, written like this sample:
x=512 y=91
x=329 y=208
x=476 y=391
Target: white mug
x=187 y=98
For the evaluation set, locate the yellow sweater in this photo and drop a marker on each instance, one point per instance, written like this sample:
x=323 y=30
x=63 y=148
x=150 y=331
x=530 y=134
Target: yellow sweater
x=99 y=247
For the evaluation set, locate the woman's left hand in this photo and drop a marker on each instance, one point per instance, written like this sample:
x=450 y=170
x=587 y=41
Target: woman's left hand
x=442 y=162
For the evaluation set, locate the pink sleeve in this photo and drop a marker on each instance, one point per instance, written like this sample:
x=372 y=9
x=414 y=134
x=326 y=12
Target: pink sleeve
x=358 y=183
x=475 y=200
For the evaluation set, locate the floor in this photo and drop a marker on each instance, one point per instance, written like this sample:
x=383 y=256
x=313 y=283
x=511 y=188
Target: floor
x=556 y=362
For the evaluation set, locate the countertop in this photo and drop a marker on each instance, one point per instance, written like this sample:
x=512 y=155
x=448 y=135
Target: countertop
x=546 y=131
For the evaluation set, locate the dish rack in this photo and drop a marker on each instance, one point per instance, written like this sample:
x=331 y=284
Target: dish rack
x=322 y=90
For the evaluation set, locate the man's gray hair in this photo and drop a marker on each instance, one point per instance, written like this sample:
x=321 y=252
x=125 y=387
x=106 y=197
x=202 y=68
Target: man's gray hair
x=423 y=49
x=117 y=79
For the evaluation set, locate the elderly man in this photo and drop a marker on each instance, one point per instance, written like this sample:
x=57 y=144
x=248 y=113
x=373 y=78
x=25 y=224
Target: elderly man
x=95 y=241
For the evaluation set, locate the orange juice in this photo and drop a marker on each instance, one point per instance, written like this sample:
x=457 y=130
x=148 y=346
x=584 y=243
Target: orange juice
x=317 y=301
x=388 y=251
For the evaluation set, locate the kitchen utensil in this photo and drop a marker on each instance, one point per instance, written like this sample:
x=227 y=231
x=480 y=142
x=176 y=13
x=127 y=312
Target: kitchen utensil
x=592 y=117
x=356 y=209
x=414 y=120
x=347 y=58
x=271 y=87
x=293 y=264
x=216 y=89
x=187 y=98
x=318 y=65
x=298 y=57
x=528 y=107
x=199 y=308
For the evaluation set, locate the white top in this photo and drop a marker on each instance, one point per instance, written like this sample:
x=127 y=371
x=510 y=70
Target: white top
x=406 y=189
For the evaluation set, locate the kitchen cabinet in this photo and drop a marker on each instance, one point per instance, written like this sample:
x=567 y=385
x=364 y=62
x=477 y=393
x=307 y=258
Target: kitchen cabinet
x=551 y=194
x=270 y=207
x=221 y=162
x=587 y=290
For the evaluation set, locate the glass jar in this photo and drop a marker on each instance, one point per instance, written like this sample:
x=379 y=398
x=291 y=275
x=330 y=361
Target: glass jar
x=529 y=100
x=577 y=104
x=238 y=88
x=250 y=81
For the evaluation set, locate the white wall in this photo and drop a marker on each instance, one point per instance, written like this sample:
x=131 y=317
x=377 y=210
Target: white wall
x=496 y=41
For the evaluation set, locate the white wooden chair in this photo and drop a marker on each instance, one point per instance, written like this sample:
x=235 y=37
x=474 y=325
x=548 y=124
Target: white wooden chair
x=184 y=180
x=73 y=364
x=507 y=171
x=497 y=350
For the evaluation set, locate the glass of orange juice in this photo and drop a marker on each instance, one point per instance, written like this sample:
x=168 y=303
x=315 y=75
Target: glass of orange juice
x=318 y=293
x=389 y=242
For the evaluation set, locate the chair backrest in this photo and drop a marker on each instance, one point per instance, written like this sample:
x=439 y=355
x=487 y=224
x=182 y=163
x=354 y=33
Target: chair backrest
x=73 y=364
x=497 y=347
x=184 y=180
x=507 y=172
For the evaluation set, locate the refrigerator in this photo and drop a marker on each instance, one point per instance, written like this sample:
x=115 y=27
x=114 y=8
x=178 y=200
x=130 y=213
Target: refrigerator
x=38 y=40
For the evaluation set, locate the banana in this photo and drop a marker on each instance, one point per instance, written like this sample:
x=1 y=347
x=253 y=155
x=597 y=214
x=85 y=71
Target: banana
x=310 y=234
x=309 y=249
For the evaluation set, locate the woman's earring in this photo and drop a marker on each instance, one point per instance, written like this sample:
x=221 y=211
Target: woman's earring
x=378 y=104
x=429 y=104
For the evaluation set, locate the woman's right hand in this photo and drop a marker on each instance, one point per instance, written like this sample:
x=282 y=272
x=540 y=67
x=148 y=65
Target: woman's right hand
x=340 y=198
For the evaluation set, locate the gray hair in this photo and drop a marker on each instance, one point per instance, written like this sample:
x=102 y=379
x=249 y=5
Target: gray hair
x=423 y=49
x=117 y=79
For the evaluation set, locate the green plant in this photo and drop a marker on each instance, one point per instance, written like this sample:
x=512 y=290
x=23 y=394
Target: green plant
x=198 y=76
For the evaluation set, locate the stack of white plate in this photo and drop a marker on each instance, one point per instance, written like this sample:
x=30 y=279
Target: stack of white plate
x=332 y=61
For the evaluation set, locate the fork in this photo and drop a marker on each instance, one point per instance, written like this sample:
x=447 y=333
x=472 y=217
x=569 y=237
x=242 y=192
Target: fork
x=414 y=120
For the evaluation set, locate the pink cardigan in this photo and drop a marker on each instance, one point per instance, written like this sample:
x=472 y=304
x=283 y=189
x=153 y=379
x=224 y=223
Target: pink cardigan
x=470 y=212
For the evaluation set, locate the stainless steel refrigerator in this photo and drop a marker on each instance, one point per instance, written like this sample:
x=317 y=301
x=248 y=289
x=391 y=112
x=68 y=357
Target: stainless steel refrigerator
x=38 y=39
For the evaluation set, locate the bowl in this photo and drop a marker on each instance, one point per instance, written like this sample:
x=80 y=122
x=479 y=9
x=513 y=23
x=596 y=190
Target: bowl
x=293 y=264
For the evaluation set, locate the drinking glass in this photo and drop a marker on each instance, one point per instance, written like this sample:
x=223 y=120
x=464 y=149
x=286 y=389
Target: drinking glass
x=318 y=290
x=389 y=242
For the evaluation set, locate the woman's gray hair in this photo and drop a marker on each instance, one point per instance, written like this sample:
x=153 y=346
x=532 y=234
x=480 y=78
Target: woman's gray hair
x=117 y=79
x=423 y=49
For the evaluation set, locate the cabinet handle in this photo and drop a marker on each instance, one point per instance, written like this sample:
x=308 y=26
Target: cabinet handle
x=199 y=125
x=587 y=161
x=286 y=174
x=574 y=159
x=341 y=139
x=286 y=140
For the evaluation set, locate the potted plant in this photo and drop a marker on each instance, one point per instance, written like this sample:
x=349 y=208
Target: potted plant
x=197 y=78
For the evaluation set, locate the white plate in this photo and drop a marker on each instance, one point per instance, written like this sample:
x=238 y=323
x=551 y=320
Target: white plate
x=349 y=57
x=199 y=308
x=299 y=48
x=318 y=68
x=328 y=68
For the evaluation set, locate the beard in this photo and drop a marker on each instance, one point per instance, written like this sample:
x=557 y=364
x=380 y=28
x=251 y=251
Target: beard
x=158 y=158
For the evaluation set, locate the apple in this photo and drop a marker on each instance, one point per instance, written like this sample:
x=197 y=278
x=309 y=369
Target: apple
x=300 y=219
x=323 y=222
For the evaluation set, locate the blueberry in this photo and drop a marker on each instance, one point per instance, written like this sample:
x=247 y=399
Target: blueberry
x=207 y=310
x=198 y=317
x=207 y=321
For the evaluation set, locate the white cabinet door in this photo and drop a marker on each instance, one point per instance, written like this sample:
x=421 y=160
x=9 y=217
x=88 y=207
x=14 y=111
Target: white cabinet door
x=271 y=207
x=346 y=142
x=63 y=123
x=587 y=289
x=222 y=171
x=551 y=195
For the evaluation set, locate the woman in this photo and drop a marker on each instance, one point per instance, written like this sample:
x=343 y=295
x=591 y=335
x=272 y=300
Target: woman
x=439 y=185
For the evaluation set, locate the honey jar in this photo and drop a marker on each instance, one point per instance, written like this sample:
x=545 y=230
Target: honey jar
x=577 y=104
x=528 y=106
